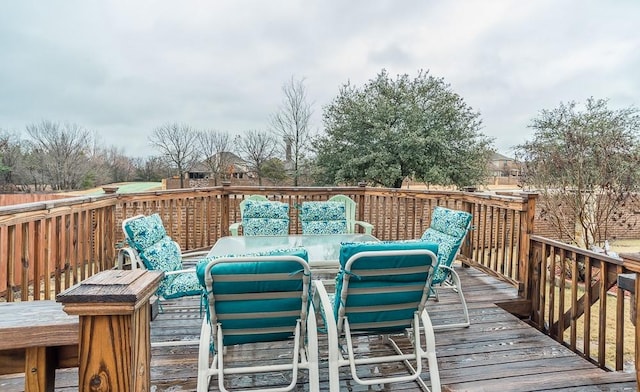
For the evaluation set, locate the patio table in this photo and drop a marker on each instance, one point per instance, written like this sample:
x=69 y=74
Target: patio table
x=323 y=250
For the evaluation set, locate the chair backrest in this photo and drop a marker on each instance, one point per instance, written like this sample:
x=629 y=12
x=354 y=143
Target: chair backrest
x=382 y=284
x=157 y=251
x=350 y=210
x=142 y=231
x=323 y=217
x=448 y=229
x=256 y=297
x=260 y=217
x=253 y=198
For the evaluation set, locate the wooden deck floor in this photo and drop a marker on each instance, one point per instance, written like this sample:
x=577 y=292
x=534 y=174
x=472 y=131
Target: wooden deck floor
x=497 y=353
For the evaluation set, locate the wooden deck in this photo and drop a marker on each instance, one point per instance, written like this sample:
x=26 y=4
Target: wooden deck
x=498 y=352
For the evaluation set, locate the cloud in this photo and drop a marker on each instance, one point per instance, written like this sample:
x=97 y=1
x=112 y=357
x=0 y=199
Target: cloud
x=124 y=68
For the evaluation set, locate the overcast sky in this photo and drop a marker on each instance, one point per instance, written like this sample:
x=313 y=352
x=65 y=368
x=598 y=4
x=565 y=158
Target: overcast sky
x=122 y=68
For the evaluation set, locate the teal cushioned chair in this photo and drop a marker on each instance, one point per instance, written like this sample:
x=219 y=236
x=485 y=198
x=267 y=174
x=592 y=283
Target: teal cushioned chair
x=262 y=217
x=260 y=297
x=150 y=247
x=382 y=288
x=448 y=229
x=235 y=227
x=323 y=217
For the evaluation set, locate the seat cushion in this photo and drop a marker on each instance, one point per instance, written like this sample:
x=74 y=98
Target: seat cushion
x=182 y=285
x=265 y=218
x=265 y=209
x=403 y=292
x=165 y=256
x=265 y=226
x=238 y=315
x=144 y=231
x=347 y=250
x=448 y=229
x=452 y=222
x=447 y=248
x=323 y=217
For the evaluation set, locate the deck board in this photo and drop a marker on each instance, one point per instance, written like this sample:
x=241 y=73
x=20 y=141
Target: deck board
x=497 y=352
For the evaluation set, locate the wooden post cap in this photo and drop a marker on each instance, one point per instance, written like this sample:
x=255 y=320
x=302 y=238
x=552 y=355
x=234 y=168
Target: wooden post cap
x=111 y=292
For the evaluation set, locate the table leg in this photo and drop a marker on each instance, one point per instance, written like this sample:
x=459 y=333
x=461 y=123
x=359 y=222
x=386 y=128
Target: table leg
x=39 y=370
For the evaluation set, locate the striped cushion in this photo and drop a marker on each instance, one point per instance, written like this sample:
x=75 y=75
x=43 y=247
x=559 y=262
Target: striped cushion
x=251 y=297
x=377 y=281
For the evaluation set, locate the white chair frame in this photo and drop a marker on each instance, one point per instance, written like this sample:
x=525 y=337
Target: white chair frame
x=341 y=327
x=304 y=356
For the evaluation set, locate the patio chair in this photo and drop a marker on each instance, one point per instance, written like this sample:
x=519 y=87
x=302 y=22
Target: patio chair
x=262 y=217
x=448 y=229
x=258 y=298
x=350 y=209
x=381 y=289
x=323 y=217
x=150 y=247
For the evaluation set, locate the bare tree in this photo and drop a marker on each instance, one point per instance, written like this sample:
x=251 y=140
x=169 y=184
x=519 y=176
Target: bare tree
x=177 y=145
x=291 y=123
x=60 y=152
x=257 y=148
x=151 y=169
x=214 y=147
x=11 y=162
x=114 y=165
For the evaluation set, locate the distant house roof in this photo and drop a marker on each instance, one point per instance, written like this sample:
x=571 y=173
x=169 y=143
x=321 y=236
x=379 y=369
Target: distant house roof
x=238 y=163
x=499 y=157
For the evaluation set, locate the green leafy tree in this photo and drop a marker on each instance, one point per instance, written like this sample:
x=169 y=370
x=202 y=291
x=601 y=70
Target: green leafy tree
x=391 y=129
x=583 y=160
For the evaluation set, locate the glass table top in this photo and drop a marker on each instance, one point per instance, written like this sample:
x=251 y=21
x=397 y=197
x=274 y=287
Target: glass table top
x=323 y=250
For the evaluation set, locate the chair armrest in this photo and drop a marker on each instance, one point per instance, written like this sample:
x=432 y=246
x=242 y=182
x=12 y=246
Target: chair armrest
x=194 y=256
x=132 y=255
x=233 y=228
x=182 y=271
x=368 y=227
x=322 y=303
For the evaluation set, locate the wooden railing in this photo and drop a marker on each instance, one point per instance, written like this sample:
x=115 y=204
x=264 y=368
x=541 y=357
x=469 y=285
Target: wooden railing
x=48 y=246
x=576 y=300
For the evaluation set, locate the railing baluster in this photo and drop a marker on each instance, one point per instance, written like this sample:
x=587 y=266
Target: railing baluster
x=573 y=333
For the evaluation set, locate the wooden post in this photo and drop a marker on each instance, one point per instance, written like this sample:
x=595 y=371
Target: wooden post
x=114 y=344
x=361 y=201
x=224 y=209
x=527 y=218
x=637 y=326
x=467 y=245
